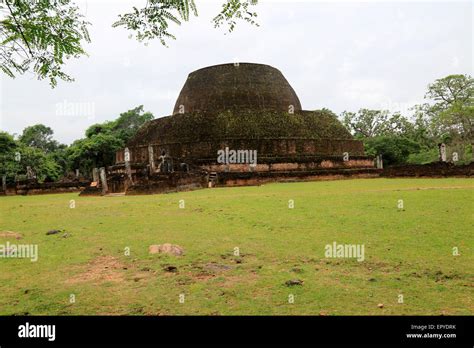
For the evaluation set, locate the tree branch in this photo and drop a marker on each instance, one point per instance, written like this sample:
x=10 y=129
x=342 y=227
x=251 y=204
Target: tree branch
x=19 y=28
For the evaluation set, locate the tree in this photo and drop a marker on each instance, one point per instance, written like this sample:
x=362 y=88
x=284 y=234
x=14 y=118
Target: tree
x=127 y=125
x=451 y=90
x=370 y=123
x=44 y=166
x=7 y=143
x=450 y=108
x=96 y=151
x=39 y=136
x=124 y=127
x=9 y=164
x=394 y=149
x=103 y=140
x=16 y=157
x=394 y=136
x=41 y=35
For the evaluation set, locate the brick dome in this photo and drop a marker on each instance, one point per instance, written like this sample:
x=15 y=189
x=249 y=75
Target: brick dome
x=242 y=86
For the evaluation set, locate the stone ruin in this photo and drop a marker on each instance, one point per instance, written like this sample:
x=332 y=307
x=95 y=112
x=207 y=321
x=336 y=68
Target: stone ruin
x=230 y=111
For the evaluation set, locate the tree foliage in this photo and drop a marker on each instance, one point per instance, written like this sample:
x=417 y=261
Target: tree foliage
x=105 y=139
x=153 y=20
x=234 y=10
x=394 y=149
x=452 y=106
x=39 y=136
x=50 y=160
x=370 y=123
x=40 y=35
x=16 y=156
x=447 y=116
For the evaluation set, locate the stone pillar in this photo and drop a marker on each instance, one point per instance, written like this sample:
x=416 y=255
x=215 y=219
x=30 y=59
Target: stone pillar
x=442 y=152
x=103 y=179
x=128 y=168
x=29 y=173
x=151 y=159
x=77 y=173
x=4 y=183
x=379 y=161
x=95 y=175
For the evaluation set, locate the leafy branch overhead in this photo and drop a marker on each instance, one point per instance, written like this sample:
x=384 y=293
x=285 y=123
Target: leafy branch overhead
x=152 y=21
x=40 y=35
x=234 y=10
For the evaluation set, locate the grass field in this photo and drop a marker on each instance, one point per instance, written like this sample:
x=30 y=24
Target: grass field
x=408 y=251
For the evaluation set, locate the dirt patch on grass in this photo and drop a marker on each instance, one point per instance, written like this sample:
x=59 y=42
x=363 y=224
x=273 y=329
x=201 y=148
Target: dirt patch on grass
x=10 y=234
x=99 y=270
x=235 y=280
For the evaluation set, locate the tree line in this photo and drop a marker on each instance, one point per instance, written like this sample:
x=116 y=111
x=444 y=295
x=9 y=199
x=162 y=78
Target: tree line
x=447 y=117
x=51 y=161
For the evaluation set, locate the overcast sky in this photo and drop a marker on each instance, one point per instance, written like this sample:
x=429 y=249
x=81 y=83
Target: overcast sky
x=342 y=55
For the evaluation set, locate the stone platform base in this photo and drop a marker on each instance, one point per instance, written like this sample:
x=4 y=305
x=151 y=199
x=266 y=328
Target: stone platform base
x=434 y=170
x=259 y=178
x=180 y=181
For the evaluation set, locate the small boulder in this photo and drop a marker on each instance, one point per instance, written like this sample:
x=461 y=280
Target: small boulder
x=293 y=282
x=380 y=305
x=10 y=234
x=171 y=269
x=50 y=232
x=166 y=248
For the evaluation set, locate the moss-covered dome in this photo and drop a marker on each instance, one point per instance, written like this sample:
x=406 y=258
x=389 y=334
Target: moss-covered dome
x=205 y=126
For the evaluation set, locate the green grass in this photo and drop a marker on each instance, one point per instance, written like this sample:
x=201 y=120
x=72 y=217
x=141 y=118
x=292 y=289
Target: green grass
x=407 y=251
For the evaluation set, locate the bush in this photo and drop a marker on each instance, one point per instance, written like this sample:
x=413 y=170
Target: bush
x=394 y=149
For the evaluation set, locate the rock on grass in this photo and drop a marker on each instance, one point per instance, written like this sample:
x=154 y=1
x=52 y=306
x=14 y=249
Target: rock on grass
x=166 y=248
x=294 y=282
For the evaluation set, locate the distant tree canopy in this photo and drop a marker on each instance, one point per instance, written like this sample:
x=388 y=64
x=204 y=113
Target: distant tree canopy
x=39 y=136
x=370 y=123
x=452 y=107
x=16 y=156
x=40 y=35
x=51 y=160
x=447 y=116
x=103 y=140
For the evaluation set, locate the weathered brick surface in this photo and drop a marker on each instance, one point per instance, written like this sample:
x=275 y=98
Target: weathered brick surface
x=436 y=169
x=236 y=87
x=192 y=152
